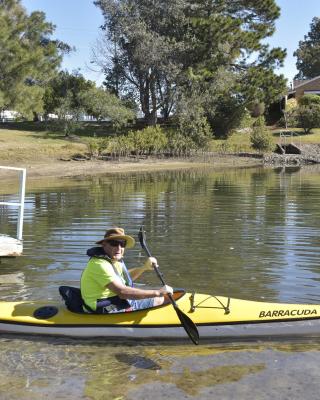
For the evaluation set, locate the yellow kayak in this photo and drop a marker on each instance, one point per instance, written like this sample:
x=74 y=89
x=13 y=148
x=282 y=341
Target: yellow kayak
x=215 y=317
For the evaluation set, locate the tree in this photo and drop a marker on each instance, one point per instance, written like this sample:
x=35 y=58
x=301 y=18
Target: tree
x=308 y=117
x=28 y=57
x=192 y=121
x=63 y=85
x=260 y=136
x=168 y=51
x=229 y=59
x=104 y=105
x=63 y=97
x=68 y=115
x=142 y=48
x=308 y=53
x=69 y=96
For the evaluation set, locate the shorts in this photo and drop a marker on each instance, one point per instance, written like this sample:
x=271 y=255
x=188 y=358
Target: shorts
x=104 y=306
x=141 y=304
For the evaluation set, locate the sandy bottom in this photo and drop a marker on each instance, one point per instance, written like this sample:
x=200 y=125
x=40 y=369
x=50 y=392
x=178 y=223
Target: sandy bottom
x=38 y=368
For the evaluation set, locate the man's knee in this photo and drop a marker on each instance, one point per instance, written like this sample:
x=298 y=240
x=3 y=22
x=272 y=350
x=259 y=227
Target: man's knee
x=158 y=301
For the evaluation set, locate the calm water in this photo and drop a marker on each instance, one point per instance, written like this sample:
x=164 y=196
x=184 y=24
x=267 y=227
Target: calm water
x=248 y=233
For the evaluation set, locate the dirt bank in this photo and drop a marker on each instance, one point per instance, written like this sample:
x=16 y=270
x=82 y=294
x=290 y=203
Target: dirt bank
x=59 y=168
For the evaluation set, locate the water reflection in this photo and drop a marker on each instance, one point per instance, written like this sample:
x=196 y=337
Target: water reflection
x=249 y=233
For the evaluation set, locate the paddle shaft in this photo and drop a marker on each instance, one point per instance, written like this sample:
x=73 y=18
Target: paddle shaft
x=188 y=325
x=160 y=276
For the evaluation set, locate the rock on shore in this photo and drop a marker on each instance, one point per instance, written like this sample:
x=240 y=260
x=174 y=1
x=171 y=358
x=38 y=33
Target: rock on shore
x=310 y=154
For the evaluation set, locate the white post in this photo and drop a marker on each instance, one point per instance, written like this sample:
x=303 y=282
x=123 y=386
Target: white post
x=21 y=201
x=22 y=188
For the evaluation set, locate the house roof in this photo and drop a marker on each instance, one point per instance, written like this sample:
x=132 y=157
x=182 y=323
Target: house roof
x=301 y=82
x=298 y=83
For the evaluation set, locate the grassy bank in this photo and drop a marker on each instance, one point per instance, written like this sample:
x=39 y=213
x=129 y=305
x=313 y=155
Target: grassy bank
x=18 y=146
x=34 y=141
x=240 y=142
x=28 y=143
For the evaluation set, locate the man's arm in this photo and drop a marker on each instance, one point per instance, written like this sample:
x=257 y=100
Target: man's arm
x=148 y=266
x=128 y=292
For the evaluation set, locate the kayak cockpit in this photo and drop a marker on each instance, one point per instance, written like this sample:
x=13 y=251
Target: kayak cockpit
x=74 y=302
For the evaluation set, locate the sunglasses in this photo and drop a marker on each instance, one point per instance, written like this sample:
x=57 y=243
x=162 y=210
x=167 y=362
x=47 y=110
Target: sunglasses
x=116 y=243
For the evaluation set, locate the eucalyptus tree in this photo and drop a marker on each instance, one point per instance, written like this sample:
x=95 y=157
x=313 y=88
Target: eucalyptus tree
x=308 y=53
x=28 y=57
x=204 y=52
x=144 y=51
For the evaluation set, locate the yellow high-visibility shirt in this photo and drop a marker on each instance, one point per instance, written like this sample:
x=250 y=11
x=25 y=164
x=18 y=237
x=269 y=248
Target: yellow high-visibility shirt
x=96 y=276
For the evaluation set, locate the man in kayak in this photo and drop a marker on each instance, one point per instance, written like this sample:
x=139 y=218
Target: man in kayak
x=106 y=285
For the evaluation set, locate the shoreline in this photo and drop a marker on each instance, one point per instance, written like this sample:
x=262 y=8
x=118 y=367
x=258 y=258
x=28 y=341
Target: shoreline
x=53 y=168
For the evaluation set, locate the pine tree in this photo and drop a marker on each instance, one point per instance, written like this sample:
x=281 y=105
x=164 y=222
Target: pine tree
x=308 y=53
x=28 y=58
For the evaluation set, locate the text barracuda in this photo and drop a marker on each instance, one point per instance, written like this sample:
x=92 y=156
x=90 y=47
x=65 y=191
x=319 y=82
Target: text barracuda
x=287 y=313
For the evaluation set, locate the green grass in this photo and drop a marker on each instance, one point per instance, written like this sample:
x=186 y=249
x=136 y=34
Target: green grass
x=240 y=142
x=38 y=141
x=299 y=136
x=85 y=129
x=237 y=143
x=22 y=145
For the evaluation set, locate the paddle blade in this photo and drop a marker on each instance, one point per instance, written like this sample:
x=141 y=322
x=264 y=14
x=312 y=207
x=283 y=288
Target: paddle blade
x=141 y=236
x=188 y=325
x=142 y=240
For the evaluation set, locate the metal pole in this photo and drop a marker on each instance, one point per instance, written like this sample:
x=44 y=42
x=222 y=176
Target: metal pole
x=21 y=200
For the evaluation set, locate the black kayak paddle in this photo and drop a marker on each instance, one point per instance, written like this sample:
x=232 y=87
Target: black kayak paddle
x=186 y=322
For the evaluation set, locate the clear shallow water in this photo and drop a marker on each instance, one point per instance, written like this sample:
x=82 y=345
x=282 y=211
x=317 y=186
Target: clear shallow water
x=247 y=233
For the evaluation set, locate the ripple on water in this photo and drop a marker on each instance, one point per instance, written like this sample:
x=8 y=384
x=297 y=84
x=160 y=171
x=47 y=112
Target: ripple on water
x=250 y=234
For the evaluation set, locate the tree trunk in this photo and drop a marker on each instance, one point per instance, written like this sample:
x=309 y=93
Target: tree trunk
x=144 y=97
x=153 y=114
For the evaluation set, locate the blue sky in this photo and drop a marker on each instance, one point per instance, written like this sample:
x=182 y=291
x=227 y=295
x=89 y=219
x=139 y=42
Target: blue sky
x=77 y=23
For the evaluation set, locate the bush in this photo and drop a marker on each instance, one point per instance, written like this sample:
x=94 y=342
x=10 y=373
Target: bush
x=224 y=147
x=192 y=120
x=257 y=109
x=195 y=127
x=96 y=146
x=309 y=100
x=150 y=140
x=120 y=146
x=289 y=118
x=246 y=120
x=179 y=144
x=226 y=117
x=260 y=137
x=308 y=117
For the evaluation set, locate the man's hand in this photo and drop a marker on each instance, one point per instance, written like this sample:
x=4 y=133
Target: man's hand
x=166 y=290
x=148 y=265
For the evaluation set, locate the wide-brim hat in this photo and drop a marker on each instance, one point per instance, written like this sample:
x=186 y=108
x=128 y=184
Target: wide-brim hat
x=118 y=234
